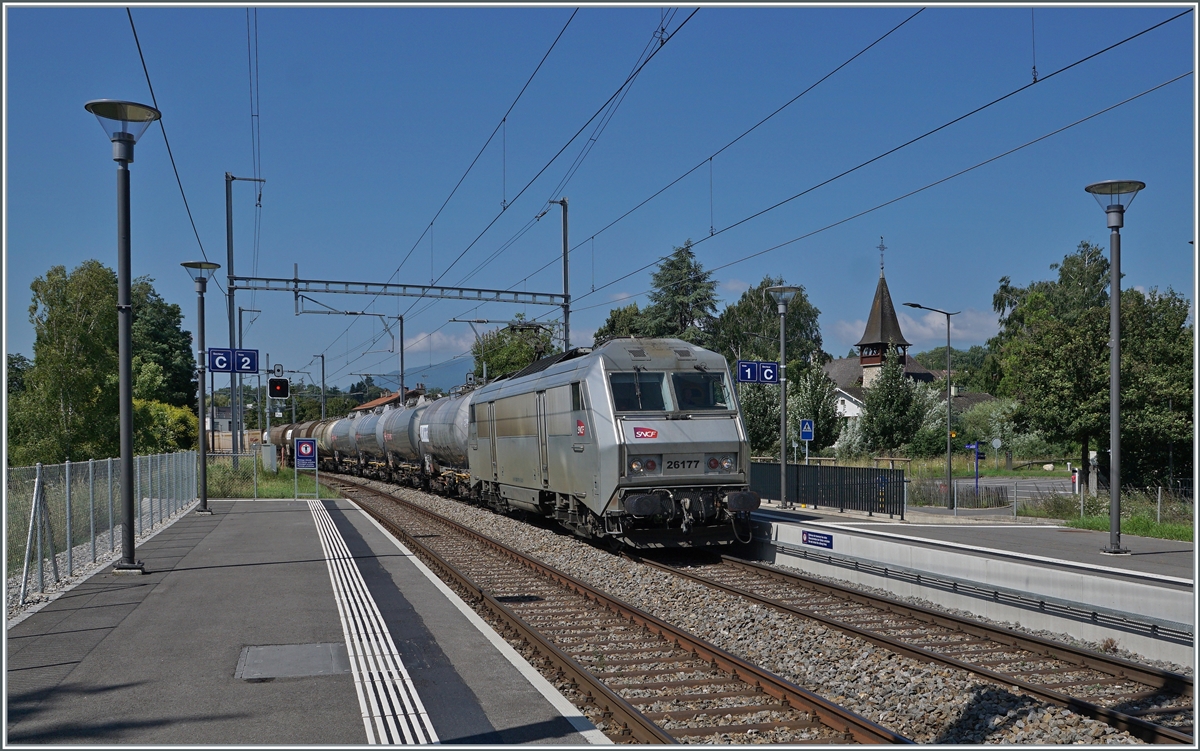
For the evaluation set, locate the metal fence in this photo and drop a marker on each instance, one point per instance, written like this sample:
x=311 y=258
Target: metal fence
x=233 y=475
x=66 y=516
x=876 y=491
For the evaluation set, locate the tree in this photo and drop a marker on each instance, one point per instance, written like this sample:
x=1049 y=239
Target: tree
x=756 y=313
x=68 y=409
x=892 y=414
x=623 y=321
x=683 y=299
x=969 y=366
x=163 y=428
x=513 y=347
x=18 y=369
x=159 y=338
x=811 y=396
x=760 y=412
x=1053 y=350
x=1156 y=387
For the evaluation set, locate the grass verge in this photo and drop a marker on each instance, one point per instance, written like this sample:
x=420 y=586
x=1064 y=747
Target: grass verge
x=1139 y=526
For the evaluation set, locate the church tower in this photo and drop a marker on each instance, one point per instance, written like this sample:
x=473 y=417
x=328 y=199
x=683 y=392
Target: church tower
x=883 y=329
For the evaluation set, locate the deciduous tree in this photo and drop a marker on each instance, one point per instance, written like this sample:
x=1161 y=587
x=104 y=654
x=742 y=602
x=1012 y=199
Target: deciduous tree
x=513 y=347
x=68 y=409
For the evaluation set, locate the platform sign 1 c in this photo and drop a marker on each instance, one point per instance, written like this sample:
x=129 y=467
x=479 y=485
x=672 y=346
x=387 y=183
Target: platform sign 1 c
x=750 y=371
x=220 y=360
x=747 y=371
x=305 y=453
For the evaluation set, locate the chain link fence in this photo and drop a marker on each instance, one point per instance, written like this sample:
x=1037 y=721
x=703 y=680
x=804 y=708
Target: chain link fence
x=62 y=518
x=233 y=475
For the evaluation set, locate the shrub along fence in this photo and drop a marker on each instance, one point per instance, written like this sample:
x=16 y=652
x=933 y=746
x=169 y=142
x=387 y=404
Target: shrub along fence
x=63 y=516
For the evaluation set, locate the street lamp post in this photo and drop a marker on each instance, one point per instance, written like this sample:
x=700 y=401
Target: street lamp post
x=124 y=123
x=1117 y=195
x=200 y=271
x=950 y=501
x=783 y=295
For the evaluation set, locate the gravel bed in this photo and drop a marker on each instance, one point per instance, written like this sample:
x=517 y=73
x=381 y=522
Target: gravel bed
x=926 y=703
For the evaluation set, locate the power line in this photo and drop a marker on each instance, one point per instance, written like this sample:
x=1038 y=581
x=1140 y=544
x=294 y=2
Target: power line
x=600 y=111
x=912 y=192
x=708 y=159
x=429 y=227
x=163 y=126
x=566 y=145
x=884 y=154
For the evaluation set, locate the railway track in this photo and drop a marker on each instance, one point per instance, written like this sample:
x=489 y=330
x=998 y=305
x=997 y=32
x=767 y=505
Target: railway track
x=641 y=679
x=1151 y=704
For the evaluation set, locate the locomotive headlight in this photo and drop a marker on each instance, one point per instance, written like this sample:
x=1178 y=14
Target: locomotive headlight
x=636 y=465
x=726 y=463
x=713 y=463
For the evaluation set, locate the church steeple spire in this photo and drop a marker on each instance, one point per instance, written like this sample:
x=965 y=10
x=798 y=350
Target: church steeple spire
x=883 y=328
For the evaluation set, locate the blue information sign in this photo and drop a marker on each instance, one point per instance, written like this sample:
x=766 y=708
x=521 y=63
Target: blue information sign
x=245 y=361
x=806 y=430
x=220 y=360
x=816 y=539
x=971 y=445
x=747 y=371
x=306 y=453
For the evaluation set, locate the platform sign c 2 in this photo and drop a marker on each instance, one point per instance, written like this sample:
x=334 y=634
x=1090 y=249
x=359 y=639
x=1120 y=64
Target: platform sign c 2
x=305 y=453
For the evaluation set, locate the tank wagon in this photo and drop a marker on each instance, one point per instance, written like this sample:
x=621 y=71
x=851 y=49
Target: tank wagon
x=639 y=441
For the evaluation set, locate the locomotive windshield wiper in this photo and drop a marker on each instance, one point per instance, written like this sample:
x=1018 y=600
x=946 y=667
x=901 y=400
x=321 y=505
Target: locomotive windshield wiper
x=637 y=384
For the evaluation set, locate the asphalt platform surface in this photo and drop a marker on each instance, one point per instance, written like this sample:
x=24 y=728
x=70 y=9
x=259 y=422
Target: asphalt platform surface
x=233 y=636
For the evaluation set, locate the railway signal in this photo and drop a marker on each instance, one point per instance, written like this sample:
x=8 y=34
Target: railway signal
x=278 y=388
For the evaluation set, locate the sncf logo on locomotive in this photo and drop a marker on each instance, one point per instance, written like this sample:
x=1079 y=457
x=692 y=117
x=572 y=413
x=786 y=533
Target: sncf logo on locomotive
x=645 y=433
x=580 y=428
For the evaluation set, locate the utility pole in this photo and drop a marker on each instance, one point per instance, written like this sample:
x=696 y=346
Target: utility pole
x=322 y=356
x=566 y=280
x=241 y=421
x=233 y=395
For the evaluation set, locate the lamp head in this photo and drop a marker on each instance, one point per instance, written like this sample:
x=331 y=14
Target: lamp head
x=783 y=294
x=123 y=123
x=200 y=271
x=1114 y=196
x=913 y=305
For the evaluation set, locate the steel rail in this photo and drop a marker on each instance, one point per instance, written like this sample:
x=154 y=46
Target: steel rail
x=827 y=713
x=1135 y=726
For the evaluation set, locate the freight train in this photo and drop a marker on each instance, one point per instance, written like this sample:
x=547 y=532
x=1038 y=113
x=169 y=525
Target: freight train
x=636 y=442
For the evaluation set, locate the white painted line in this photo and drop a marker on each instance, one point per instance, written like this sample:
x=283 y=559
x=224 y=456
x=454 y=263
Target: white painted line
x=579 y=723
x=1003 y=553
x=392 y=711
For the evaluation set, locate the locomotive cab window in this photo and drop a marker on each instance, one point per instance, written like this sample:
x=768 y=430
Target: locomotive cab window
x=639 y=391
x=697 y=391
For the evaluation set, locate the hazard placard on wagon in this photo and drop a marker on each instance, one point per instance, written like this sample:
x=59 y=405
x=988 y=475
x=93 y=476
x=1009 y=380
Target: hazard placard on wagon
x=306 y=453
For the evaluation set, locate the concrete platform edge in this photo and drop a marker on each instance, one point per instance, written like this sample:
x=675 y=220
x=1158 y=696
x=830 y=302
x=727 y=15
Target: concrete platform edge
x=579 y=723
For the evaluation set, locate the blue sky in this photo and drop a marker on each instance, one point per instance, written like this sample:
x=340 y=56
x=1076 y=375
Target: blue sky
x=369 y=117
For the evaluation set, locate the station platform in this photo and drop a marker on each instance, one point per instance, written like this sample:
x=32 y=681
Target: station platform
x=1037 y=573
x=274 y=622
